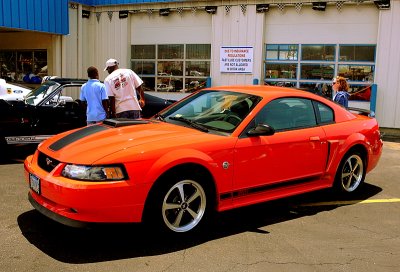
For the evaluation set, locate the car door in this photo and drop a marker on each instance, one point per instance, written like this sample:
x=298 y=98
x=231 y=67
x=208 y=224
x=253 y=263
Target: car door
x=297 y=150
x=60 y=111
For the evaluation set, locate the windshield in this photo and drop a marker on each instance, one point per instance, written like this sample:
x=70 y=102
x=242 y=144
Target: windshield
x=41 y=92
x=220 y=111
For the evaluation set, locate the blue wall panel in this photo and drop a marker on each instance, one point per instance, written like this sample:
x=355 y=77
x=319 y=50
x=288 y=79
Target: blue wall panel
x=120 y=2
x=7 y=13
x=23 y=14
x=49 y=15
x=37 y=15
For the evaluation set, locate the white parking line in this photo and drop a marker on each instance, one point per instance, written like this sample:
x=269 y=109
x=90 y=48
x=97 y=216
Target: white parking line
x=350 y=202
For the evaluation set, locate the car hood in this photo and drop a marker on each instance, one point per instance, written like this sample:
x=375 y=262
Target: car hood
x=89 y=144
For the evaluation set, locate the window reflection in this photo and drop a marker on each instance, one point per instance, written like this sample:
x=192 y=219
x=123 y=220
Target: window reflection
x=194 y=84
x=357 y=72
x=357 y=53
x=170 y=51
x=317 y=71
x=175 y=67
x=360 y=92
x=198 y=51
x=144 y=67
x=321 y=88
x=280 y=70
x=14 y=65
x=143 y=51
x=170 y=68
x=282 y=51
x=148 y=83
x=197 y=68
x=318 y=52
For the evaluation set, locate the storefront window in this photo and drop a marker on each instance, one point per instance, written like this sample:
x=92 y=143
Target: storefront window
x=320 y=88
x=357 y=72
x=167 y=68
x=360 y=92
x=144 y=67
x=317 y=71
x=15 y=65
x=318 y=52
x=143 y=51
x=282 y=52
x=175 y=67
x=198 y=51
x=194 y=84
x=281 y=70
x=357 y=53
x=318 y=64
x=197 y=68
x=170 y=51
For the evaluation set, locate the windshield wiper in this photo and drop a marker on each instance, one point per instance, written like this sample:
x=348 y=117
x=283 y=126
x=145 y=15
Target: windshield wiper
x=160 y=117
x=189 y=122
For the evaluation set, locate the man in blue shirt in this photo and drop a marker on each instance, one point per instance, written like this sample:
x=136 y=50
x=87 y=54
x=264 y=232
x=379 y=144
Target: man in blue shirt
x=94 y=97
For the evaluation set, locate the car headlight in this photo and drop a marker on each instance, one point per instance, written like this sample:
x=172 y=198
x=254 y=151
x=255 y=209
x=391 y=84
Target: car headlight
x=94 y=173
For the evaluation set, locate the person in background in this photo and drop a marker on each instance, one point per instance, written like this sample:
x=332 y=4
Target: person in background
x=94 y=97
x=341 y=88
x=124 y=88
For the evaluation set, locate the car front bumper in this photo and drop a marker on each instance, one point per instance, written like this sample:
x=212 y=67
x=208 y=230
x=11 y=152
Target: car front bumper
x=76 y=203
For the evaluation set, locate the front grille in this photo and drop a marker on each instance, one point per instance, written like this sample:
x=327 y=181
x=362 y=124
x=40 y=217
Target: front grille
x=47 y=163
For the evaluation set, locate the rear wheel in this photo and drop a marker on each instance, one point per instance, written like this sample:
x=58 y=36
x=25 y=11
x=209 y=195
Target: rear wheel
x=351 y=173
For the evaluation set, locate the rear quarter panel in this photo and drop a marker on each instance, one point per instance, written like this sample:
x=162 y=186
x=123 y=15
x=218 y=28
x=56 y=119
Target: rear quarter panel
x=342 y=136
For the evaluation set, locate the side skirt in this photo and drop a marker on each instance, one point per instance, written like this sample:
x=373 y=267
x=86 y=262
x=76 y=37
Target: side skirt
x=269 y=192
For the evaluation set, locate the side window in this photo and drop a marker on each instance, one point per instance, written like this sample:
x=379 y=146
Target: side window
x=302 y=113
x=288 y=113
x=275 y=114
x=325 y=113
x=64 y=95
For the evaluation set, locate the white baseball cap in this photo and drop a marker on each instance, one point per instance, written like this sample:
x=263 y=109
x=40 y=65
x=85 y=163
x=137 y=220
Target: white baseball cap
x=110 y=63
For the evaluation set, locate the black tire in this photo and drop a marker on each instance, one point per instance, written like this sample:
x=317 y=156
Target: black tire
x=351 y=173
x=168 y=212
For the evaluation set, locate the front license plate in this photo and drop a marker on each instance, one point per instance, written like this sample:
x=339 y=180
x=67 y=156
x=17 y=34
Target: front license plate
x=34 y=183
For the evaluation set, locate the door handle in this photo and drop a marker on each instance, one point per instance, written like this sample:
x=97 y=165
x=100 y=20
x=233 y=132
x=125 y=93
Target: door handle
x=315 y=138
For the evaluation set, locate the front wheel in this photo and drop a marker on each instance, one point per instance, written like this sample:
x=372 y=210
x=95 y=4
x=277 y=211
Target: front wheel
x=351 y=173
x=184 y=206
x=178 y=206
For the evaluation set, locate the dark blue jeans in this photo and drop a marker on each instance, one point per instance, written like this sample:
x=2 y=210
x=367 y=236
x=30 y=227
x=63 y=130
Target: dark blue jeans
x=132 y=114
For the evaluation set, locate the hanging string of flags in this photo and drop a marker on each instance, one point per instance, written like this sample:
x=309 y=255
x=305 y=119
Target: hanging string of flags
x=265 y=6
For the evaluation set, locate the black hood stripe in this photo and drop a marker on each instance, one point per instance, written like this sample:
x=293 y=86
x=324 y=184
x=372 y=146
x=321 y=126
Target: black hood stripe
x=77 y=135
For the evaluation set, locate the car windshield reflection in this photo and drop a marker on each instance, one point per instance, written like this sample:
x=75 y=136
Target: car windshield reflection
x=40 y=93
x=221 y=111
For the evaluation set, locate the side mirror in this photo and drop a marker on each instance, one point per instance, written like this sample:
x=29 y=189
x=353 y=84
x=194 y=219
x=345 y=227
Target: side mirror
x=261 y=130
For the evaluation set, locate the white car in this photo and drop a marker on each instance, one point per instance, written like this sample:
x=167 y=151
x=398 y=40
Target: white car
x=164 y=88
x=12 y=92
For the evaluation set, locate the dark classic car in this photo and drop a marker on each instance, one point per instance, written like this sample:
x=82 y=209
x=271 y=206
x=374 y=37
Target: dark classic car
x=52 y=108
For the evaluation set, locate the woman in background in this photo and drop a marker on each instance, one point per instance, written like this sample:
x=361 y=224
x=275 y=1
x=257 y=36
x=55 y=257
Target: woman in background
x=341 y=88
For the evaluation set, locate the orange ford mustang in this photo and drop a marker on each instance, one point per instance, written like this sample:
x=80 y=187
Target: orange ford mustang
x=218 y=149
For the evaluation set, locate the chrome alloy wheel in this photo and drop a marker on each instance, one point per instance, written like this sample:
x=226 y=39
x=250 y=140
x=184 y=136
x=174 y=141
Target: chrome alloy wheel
x=352 y=173
x=183 y=206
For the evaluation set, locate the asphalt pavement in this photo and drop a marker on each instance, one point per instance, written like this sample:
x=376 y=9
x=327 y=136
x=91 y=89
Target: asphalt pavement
x=312 y=232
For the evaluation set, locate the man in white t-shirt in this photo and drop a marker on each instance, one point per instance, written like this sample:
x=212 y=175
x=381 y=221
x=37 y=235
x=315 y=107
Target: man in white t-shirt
x=123 y=87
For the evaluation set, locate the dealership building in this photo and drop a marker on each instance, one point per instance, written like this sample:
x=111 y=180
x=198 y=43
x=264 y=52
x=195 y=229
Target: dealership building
x=181 y=46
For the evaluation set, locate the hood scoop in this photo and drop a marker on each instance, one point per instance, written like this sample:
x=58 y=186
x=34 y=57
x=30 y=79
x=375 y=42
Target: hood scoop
x=122 y=122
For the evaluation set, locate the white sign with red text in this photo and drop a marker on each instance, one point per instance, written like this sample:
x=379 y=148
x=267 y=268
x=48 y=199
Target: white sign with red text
x=236 y=59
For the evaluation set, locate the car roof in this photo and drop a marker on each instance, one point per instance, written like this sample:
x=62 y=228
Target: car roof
x=62 y=80
x=265 y=91
x=272 y=92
